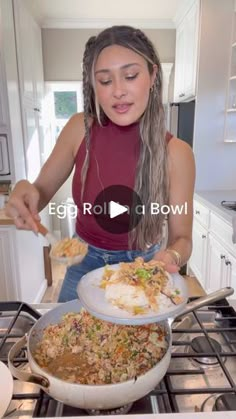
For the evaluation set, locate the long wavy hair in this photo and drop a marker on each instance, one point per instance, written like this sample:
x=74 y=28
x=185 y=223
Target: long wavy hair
x=151 y=183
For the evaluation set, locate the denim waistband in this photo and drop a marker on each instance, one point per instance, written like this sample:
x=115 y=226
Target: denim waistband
x=151 y=249
x=109 y=256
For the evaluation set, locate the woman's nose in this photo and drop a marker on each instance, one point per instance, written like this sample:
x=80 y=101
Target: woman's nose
x=119 y=89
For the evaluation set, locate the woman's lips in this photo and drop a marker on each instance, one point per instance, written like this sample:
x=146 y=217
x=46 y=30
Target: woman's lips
x=122 y=108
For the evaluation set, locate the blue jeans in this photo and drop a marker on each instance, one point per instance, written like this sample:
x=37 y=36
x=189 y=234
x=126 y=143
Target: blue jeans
x=96 y=258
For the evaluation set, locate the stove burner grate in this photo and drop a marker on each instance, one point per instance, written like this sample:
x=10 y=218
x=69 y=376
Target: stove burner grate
x=123 y=410
x=202 y=344
x=225 y=402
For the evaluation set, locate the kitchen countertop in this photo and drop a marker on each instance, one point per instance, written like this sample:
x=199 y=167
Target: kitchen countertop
x=200 y=415
x=4 y=219
x=212 y=199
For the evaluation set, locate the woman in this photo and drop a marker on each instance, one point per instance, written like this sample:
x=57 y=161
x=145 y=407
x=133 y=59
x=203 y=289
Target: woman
x=120 y=139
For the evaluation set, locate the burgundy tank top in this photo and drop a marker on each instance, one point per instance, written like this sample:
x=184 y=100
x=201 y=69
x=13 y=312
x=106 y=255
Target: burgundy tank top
x=114 y=153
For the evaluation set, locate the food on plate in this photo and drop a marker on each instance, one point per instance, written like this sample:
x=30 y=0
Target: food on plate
x=83 y=349
x=69 y=248
x=140 y=286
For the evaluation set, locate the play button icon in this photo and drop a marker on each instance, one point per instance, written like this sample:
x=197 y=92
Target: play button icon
x=116 y=209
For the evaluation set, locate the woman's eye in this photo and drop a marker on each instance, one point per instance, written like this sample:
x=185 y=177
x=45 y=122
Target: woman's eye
x=131 y=76
x=104 y=82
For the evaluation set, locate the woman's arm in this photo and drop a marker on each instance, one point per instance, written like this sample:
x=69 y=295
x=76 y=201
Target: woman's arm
x=28 y=199
x=182 y=179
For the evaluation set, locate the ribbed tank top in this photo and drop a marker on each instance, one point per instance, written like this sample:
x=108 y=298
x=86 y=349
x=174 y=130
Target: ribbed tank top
x=114 y=153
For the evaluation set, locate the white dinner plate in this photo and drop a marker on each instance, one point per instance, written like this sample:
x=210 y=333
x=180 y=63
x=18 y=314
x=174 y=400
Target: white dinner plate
x=6 y=388
x=92 y=297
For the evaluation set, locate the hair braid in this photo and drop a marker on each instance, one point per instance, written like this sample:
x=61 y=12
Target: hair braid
x=154 y=58
x=88 y=103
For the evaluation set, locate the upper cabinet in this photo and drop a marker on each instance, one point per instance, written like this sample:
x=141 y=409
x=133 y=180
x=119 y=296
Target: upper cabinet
x=186 y=53
x=3 y=97
x=230 y=112
x=30 y=65
x=29 y=54
x=24 y=44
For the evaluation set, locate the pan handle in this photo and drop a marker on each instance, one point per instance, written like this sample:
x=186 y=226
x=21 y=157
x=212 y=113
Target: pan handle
x=207 y=299
x=23 y=375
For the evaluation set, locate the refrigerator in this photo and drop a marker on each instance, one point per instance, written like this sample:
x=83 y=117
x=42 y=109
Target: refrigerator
x=182 y=120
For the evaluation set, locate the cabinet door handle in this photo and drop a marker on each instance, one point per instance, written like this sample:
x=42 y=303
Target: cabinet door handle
x=227 y=262
x=36 y=109
x=197 y=212
x=203 y=236
x=222 y=256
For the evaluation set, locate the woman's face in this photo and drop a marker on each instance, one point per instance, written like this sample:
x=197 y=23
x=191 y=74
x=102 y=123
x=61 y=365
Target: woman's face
x=122 y=84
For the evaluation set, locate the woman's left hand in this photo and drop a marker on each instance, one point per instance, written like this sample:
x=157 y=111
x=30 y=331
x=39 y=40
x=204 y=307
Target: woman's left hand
x=167 y=259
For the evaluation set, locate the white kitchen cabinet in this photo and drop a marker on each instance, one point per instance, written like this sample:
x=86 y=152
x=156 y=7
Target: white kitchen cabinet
x=231 y=263
x=197 y=262
x=29 y=55
x=31 y=140
x=221 y=269
x=201 y=214
x=30 y=65
x=22 y=271
x=213 y=259
x=25 y=45
x=186 y=54
x=21 y=89
x=3 y=96
x=9 y=287
x=199 y=252
x=4 y=115
x=179 y=63
x=216 y=267
x=230 y=112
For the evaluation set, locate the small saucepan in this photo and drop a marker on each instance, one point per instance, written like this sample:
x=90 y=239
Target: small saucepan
x=105 y=396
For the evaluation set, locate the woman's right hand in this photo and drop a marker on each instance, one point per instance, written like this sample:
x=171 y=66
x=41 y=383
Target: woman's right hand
x=22 y=206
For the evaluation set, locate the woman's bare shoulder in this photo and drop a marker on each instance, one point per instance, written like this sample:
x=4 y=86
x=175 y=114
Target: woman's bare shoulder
x=176 y=145
x=179 y=153
x=77 y=122
x=76 y=129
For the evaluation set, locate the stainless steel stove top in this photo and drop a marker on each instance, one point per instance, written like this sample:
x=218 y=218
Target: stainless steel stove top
x=201 y=375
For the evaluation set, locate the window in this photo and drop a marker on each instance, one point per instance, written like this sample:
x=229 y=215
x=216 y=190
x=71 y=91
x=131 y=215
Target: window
x=63 y=101
x=65 y=104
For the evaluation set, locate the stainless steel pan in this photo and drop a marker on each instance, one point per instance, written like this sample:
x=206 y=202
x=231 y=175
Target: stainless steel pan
x=97 y=396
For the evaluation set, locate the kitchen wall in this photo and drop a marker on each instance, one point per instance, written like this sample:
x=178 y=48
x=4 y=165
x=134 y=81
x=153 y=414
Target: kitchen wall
x=63 y=50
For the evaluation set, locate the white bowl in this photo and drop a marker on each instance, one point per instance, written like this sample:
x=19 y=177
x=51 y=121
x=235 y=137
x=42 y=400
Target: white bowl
x=73 y=260
x=68 y=260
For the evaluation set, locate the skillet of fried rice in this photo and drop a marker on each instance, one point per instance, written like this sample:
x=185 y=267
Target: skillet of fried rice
x=83 y=349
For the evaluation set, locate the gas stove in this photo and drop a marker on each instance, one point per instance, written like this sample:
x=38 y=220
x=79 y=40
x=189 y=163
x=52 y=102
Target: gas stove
x=201 y=376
